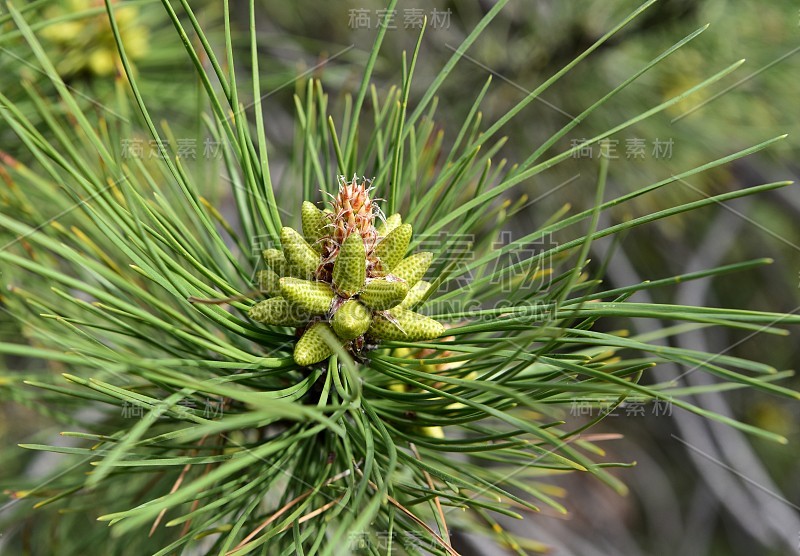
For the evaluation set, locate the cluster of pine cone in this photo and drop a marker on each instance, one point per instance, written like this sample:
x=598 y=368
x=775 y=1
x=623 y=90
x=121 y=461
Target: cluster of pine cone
x=343 y=281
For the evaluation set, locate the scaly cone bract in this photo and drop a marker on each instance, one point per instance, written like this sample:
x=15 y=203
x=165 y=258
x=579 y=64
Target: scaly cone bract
x=314 y=225
x=275 y=261
x=405 y=325
x=413 y=268
x=314 y=345
x=350 y=268
x=268 y=282
x=300 y=256
x=278 y=312
x=343 y=281
x=311 y=296
x=384 y=293
x=415 y=294
x=390 y=224
x=351 y=320
x=393 y=247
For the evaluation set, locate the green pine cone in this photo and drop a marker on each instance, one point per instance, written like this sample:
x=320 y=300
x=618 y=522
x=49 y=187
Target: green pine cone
x=410 y=326
x=268 y=282
x=390 y=224
x=413 y=268
x=278 y=312
x=350 y=268
x=339 y=286
x=415 y=294
x=313 y=346
x=275 y=261
x=393 y=247
x=300 y=256
x=314 y=225
x=381 y=293
x=310 y=296
x=351 y=320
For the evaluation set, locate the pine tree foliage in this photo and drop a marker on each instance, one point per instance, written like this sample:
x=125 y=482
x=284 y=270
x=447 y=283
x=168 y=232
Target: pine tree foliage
x=192 y=426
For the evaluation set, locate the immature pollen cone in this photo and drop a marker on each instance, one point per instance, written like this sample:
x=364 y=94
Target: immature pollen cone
x=344 y=281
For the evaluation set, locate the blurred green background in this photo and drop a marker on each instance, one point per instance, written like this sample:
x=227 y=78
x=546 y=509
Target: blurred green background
x=698 y=488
